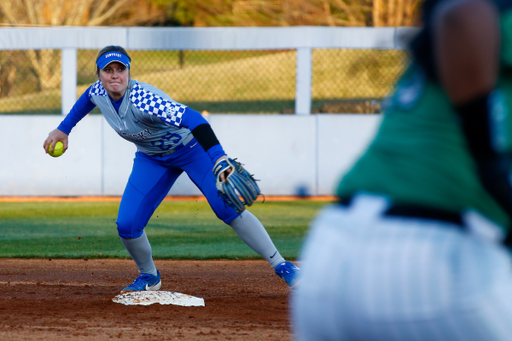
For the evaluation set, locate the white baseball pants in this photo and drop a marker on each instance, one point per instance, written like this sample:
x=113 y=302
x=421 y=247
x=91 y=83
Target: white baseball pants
x=368 y=276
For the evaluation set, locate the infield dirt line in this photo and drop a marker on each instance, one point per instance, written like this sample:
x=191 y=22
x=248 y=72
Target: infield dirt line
x=53 y=284
x=169 y=198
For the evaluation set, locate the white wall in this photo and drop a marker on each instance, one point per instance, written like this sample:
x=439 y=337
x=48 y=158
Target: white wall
x=286 y=152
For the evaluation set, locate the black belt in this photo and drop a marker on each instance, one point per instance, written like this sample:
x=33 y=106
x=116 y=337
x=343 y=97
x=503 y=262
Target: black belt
x=416 y=211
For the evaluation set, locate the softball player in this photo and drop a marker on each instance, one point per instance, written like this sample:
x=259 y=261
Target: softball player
x=414 y=250
x=170 y=138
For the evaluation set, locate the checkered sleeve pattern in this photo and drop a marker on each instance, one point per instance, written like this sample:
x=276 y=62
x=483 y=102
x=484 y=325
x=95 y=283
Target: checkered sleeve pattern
x=97 y=89
x=168 y=111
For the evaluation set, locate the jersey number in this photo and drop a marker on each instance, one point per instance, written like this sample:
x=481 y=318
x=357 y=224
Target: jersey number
x=173 y=138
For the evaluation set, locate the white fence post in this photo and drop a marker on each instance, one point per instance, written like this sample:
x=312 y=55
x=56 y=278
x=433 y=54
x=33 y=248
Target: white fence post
x=69 y=79
x=303 y=81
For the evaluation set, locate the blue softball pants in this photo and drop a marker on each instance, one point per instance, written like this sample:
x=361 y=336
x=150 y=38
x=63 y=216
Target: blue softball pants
x=153 y=176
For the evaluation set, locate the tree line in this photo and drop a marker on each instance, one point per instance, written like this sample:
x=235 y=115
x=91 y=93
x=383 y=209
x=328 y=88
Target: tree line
x=195 y=13
x=209 y=12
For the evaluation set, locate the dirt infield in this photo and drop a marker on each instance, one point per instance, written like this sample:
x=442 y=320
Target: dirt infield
x=72 y=300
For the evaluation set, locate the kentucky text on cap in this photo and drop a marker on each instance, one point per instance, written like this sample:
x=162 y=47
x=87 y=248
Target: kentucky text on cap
x=110 y=57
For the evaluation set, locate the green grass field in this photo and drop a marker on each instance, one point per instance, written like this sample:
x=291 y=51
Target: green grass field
x=177 y=230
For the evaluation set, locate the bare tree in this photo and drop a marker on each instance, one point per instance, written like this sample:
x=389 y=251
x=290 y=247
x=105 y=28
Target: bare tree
x=293 y=12
x=44 y=63
x=8 y=71
x=395 y=12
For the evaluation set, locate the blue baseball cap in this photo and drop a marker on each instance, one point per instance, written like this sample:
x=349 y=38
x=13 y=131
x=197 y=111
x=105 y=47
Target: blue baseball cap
x=111 y=57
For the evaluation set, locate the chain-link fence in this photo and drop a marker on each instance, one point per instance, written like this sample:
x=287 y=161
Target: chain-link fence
x=241 y=81
x=30 y=82
x=354 y=81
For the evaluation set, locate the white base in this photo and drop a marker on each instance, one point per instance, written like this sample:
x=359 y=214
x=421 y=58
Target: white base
x=162 y=297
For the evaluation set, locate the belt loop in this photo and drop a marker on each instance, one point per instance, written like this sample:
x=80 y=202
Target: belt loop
x=364 y=206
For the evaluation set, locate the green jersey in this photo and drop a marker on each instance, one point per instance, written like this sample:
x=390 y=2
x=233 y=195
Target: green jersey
x=420 y=154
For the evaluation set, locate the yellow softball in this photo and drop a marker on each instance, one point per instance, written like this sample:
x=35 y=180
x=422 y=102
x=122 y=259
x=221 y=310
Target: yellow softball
x=59 y=149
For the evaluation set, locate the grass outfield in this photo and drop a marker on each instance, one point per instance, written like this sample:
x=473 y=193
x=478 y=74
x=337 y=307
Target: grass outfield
x=177 y=230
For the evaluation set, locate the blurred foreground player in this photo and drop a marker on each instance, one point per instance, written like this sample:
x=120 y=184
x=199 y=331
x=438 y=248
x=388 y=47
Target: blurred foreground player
x=171 y=139
x=415 y=248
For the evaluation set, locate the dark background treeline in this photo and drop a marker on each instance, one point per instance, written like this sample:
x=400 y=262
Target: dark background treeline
x=202 y=13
